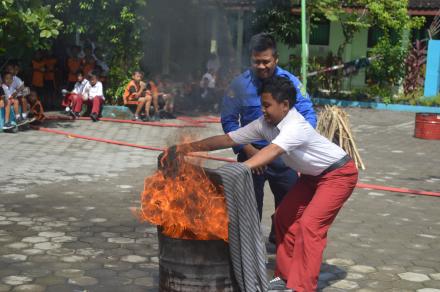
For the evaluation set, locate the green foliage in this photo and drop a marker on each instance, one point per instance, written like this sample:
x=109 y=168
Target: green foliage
x=388 y=70
x=25 y=27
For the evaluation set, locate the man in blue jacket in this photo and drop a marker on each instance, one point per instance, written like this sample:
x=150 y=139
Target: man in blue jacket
x=242 y=105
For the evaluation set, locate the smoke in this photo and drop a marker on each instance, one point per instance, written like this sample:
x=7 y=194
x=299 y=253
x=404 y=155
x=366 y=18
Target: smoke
x=183 y=33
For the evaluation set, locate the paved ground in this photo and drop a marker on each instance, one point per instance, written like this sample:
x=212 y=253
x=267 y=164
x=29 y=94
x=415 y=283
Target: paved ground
x=65 y=223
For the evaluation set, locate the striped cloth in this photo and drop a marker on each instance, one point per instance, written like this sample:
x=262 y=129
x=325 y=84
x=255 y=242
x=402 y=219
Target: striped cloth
x=246 y=245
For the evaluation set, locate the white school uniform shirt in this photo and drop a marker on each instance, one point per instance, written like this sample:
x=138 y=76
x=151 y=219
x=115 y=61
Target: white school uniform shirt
x=90 y=91
x=305 y=149
x=16 y=84
x=211 y=80
x=8 y=90
x=80 y=86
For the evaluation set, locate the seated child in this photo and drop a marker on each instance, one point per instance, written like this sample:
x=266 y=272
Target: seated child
x=70 y=101
x=10 y=99
x=93 y=95
x=18 y=86
x=134 y=91
x=167 y=93
x=36 y=111
x=151 y=90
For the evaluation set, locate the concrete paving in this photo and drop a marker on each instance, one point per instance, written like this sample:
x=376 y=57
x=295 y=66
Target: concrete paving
x=66 y=224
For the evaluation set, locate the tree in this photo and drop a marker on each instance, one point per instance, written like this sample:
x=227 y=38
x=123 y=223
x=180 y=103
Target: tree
x=25 y=25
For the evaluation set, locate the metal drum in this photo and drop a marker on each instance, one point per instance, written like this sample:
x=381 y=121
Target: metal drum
x=427 y=126
x=194 y=265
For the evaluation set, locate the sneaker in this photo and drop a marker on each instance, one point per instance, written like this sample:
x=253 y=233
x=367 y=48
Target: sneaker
x=8 y=126
x=278 y=285
x=77 y=115
x=73 y=114
x=94 y=117
x=156 y=118
x=136 y=119
x=19 y=120
x=146 y=119
x=68 y=109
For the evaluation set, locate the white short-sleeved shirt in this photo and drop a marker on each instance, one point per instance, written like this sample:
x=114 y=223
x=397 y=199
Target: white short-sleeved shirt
x=8 y=90
x=210 y=78
x=80 y=86
x=16 y=82
x=305 y=149
x=91 y=91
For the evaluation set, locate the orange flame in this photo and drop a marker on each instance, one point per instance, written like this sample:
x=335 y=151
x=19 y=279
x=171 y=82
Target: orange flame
x=188 y=206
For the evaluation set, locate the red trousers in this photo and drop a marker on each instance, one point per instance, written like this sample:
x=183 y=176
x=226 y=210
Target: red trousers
x=96 y=104
x=70 y=100
x=302 y=221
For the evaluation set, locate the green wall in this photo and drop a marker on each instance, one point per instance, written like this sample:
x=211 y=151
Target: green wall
x=357 y=49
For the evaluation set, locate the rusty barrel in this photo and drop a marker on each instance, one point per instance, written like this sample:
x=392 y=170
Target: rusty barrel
x=427 y=126
x=194 y=265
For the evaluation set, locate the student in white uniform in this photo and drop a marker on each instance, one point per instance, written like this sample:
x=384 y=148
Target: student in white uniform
x=10 y=99
x=94 y=96
x=328 y=177
x=71 y=100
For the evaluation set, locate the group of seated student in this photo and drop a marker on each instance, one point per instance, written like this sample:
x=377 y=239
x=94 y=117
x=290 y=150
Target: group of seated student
x=144 y=93
x=87 y=90
x=23 y=100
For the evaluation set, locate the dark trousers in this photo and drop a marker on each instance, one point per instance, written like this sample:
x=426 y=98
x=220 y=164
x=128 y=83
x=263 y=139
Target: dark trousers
x=281 y=179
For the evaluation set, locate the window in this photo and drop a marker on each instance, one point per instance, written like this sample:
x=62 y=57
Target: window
x=374 y=34
x=320 y=33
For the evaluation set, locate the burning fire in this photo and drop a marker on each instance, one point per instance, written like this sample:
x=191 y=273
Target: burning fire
x=187 y=206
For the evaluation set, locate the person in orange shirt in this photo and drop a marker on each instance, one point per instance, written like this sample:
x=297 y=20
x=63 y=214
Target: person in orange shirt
x=89 y=61
x=51 y=69
x=74 y=64
x=38 y=70
x=134 y=91
x=50 y=84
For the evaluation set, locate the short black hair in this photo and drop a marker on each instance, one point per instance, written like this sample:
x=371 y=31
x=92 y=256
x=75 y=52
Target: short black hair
x=93 y=74
x=281 y=88
x=4 y=73
x=262 y=42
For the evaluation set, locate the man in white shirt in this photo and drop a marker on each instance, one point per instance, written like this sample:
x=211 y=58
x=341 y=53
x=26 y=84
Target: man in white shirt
x=328 y=177
x=94 y=96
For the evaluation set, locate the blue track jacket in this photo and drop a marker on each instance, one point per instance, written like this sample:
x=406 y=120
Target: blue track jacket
x=242 y=104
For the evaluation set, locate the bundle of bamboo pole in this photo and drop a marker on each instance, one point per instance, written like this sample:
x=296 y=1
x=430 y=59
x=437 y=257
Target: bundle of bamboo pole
x=333 y=123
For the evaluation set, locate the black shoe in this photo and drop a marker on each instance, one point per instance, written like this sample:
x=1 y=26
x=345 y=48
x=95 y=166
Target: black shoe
x=146 y=119
x=19 y=120
x=156 y=118
x=8 y=126
x=94 y=117
x=77 y=115
x=278 y=285
x=73 y=114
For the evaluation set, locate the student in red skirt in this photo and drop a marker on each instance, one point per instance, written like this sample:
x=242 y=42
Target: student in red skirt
x=328 y=177
x=71 y=99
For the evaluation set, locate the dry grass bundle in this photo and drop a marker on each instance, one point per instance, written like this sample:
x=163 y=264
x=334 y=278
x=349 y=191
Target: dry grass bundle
x=334 y=124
